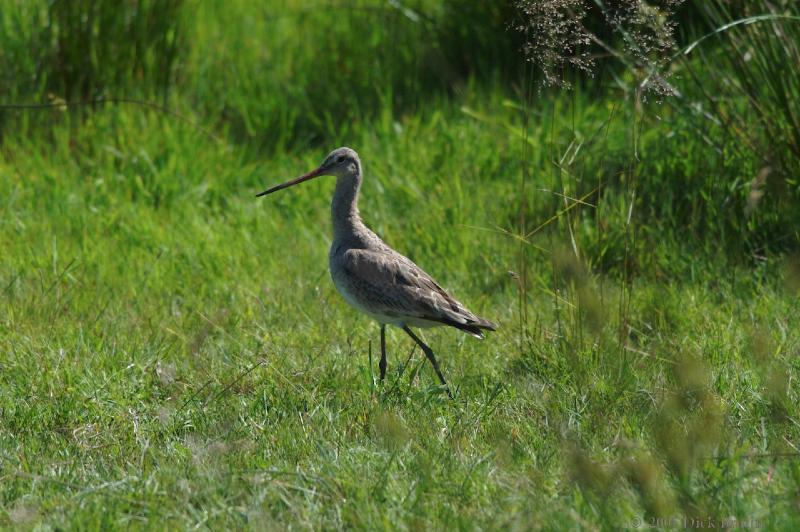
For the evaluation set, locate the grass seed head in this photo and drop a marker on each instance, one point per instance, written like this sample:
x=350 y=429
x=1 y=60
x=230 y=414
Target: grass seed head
x=646 y=476
x=591 y=475
x=791 y=273
x=390 y=430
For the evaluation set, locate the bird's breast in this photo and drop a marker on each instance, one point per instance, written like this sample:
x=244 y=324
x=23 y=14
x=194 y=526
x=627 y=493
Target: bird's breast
x=352 y=290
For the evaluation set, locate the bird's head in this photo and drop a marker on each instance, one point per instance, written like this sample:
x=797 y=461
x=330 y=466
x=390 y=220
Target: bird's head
x=341 y=162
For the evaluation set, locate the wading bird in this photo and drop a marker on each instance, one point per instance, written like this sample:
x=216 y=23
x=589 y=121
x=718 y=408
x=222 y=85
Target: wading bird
x=374 y=278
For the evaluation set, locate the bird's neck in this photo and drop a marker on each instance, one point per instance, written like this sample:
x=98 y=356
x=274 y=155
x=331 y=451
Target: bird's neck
x=344 y=207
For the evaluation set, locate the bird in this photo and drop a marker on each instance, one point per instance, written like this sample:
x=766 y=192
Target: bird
x=374 y=278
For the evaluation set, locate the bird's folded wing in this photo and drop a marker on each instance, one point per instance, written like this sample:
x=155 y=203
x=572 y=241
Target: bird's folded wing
x=391 y=284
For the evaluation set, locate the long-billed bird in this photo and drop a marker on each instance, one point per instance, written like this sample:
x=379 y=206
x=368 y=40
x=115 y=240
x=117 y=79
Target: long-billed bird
x=374 y=278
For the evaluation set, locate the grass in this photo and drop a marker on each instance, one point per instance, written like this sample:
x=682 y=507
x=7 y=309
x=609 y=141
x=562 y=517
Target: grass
x=173 y=353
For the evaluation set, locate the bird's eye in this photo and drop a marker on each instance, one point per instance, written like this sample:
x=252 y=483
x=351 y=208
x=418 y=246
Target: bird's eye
x=340 y=159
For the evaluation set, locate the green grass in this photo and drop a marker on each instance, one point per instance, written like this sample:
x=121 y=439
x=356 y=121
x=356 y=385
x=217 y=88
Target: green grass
x=173 y=352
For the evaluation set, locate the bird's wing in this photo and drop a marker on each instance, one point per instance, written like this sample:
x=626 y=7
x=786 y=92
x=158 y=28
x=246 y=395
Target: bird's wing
x=398 y=287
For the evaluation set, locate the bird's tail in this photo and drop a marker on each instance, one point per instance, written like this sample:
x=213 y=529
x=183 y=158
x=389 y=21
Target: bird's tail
x=476 y=327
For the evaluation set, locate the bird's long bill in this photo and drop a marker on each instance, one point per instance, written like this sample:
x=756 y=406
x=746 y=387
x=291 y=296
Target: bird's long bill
x=305 y=177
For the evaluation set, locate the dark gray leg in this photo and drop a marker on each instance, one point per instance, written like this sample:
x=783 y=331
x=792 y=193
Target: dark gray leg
x=382 y=363
x=429 y=353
